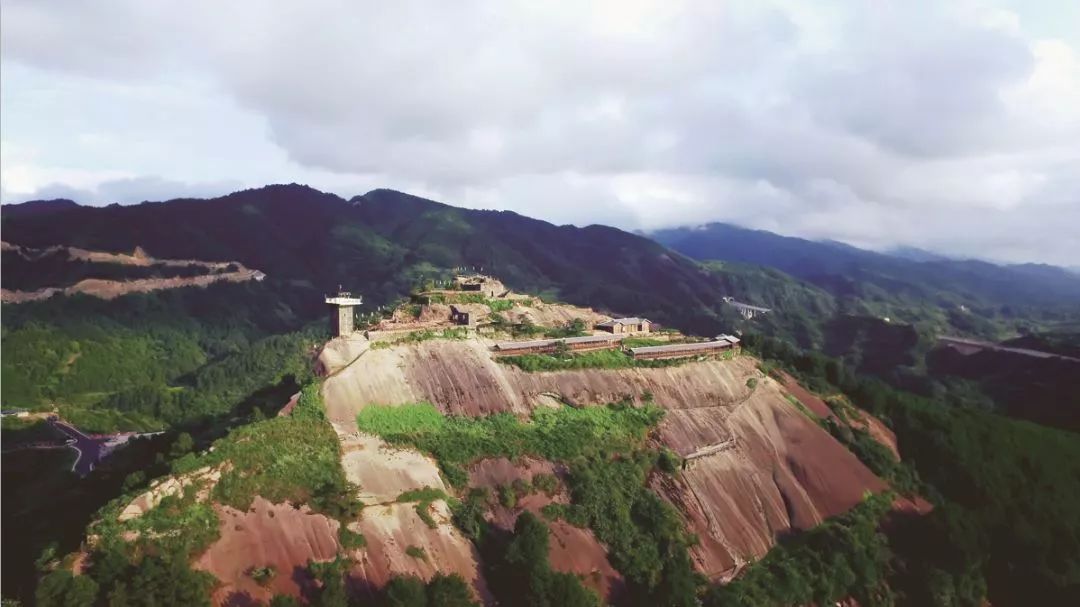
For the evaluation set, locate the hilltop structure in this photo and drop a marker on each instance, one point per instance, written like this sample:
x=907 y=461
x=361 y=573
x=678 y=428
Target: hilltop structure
x=721 y=344
x=469 y=314
x=626 y=325
x=342 y=320
x=486 y=285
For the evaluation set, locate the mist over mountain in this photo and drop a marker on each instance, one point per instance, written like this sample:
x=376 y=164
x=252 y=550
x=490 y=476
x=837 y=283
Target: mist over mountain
x=844 y=270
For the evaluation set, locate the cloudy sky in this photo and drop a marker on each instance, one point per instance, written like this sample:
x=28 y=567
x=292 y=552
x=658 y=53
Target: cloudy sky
x=953 y=126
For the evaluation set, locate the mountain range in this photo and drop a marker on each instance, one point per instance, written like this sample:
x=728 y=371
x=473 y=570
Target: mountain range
x=371 y=241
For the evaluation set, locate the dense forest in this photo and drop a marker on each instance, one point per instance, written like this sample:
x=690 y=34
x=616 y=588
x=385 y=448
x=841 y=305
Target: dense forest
x=1006 y=494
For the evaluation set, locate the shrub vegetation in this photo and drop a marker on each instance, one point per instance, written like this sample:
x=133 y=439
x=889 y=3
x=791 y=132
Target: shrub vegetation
x=556 y=434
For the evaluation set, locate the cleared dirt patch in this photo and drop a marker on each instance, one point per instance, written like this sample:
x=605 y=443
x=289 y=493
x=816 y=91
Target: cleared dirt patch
x=391 y=529
x=384 y=472
x=496 y=471
x=553 y=315
x=267 y=535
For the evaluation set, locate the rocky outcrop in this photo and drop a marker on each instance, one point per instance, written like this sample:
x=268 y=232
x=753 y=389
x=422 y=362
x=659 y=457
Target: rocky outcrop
x=280 y=537
x=761 y=466
x=391 y=529
x=203 y=480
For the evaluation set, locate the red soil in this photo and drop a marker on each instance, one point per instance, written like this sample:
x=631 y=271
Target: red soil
x=809 y=400
x=391 y=529
x=786 y=473
x=773 y=468
x=571 y=550
x=276 y=535
x=878 y=430
x=496 y=471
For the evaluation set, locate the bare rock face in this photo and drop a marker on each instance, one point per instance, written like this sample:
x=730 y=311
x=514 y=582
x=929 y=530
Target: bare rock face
x=279 y=537
x=758 y=467
x=383 y=472
x=203 y=478
x=784 y=473
x=392 y=529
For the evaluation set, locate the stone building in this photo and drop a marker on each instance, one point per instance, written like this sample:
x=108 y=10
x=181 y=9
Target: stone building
x=626 y=325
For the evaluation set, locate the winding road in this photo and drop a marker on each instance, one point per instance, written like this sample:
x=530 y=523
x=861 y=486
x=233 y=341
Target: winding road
x=90 y=450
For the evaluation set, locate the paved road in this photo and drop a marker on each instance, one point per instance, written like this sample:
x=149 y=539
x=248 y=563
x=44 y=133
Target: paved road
x=985 y=345
x=90 y=450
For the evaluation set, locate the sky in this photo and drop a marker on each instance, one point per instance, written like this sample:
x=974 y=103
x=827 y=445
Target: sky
x=952 y=126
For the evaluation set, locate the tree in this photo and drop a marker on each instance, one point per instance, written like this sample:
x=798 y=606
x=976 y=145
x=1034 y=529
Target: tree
x=63 y=589
x=182 y=445
x=119 y=596
x=531 y=577
x=565 y=590
x=561 y=349
x=405 y=591
x=165 y=581
x=449 y=591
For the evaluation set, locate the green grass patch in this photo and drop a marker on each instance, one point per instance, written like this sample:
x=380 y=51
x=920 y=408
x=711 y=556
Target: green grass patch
x=500 y=305
x=641 y=342
x=418 y=336
x=424 y=497
x=598 y=359
x=555 y=434
x=416 y=552
x=349 y=539
x=294 y=458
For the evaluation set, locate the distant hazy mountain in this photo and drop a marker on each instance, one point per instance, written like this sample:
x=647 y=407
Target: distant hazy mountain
x=844 y=270
x=916 y=254
x=37 y=207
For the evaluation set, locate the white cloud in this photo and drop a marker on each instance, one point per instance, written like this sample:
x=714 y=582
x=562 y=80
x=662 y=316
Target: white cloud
x=879 y=123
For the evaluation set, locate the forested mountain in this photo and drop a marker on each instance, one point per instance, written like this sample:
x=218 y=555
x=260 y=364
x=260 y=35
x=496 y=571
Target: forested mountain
x=383 y=242
x=848 y=271
x=883 y=314
x=880 y=313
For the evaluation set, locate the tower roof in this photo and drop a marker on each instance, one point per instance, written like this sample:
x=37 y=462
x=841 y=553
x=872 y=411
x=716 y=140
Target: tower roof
x=344 y=301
